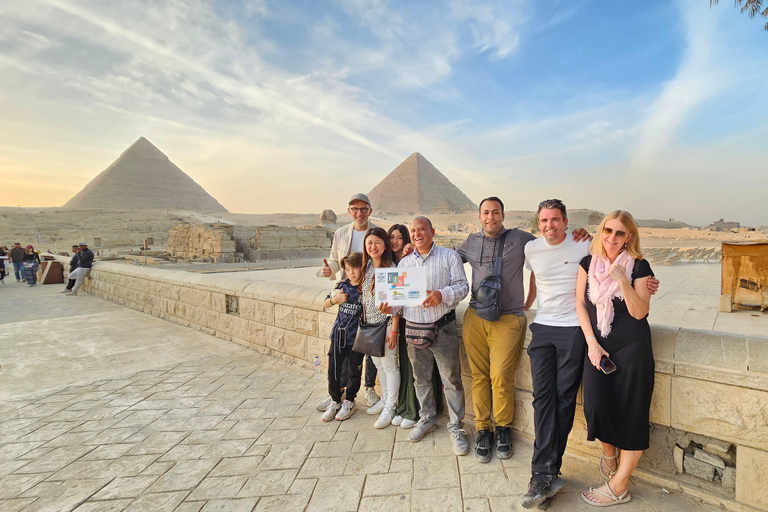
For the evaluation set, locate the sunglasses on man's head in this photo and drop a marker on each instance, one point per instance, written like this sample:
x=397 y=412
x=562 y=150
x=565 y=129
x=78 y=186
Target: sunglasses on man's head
x=619 y=233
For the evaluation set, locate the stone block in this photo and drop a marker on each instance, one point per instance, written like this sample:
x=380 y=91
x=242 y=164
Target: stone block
x=664 y=342
x=729 y=478
x=758 y=354
x=677 y=454
x=239 y=327
x=523 y=379
x=306 y=321
x=751 y=477
x=710 y=459
x=247 y=308
x=661 y=400
x=257 y=333
x=700 y=347
x=275 y=338
x=317 y=347
x=296 y=344
x=698 y=468
x=726 y=303
x=264 y=312
x=219 y=302
x=325 y=324
x=199 y=298
x=284 y=316
x=724 y=412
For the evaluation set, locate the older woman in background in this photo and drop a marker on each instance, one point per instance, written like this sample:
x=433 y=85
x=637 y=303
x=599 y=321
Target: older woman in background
x=613 y=301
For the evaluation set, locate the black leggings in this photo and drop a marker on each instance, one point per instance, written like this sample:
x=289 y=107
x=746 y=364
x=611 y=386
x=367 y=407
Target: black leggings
x=345 y=368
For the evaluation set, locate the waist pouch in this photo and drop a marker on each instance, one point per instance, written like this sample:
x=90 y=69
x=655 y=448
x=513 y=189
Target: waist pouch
x=420 y=335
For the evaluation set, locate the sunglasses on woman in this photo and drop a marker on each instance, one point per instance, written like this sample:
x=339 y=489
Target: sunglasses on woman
x=619 y=233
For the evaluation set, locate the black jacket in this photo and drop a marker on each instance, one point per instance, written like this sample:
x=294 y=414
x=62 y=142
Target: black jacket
x=17 y=255
x=74 y=262
x=85 y=259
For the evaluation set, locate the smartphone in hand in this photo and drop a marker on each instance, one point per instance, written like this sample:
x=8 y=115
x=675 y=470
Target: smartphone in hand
x=607 y=366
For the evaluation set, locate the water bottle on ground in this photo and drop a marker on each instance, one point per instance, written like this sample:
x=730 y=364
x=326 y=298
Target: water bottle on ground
x=318 y=371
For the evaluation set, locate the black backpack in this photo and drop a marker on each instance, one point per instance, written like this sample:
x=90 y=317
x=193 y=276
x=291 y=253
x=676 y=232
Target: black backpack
x=488 y=296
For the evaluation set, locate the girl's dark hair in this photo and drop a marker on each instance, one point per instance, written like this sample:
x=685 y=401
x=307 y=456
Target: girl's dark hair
x=386 y=257
x=403 y=231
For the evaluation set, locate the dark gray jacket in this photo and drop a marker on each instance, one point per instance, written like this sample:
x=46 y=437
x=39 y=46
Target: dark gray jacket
x=85 y=259
x=74 y=262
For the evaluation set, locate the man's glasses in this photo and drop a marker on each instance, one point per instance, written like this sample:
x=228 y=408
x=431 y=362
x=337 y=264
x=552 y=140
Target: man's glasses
x=359 y=210
x=619 y=234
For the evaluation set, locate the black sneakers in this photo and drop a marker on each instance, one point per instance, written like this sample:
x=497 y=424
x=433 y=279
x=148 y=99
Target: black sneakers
x=503 y=443
x=540 y=488
x=483 y=446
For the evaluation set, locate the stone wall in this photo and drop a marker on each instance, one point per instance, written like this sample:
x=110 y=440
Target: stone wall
x=202 y=241
x=273 y=242
x=710 y=403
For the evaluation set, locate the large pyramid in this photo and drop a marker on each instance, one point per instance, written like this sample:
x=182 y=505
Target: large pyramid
x=143 y=178
x=416 y=186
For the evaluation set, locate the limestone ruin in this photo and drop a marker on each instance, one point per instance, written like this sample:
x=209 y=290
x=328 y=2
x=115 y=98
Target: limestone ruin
x=143 y=178
x=202 y=241
x=416 y=186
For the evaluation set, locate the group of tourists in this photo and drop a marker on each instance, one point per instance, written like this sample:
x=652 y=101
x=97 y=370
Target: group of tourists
x=593 y=301
x=25 y=262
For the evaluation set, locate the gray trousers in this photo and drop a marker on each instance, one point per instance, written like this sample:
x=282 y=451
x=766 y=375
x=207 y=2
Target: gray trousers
x=444 y=353
x=78 y=275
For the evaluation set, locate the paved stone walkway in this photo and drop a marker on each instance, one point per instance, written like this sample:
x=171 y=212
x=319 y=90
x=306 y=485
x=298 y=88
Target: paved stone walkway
x=135 y=413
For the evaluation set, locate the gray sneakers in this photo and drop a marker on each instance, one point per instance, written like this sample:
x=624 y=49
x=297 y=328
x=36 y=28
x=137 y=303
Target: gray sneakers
x=377 y=408
x=460 y=443
x=371 y=397
x=347 y=409
x=323 y=406
x=421 y=429
x=330 y=412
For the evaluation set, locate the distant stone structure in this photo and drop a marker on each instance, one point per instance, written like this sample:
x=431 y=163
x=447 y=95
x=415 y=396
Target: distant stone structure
x=202 y=241
x=721 y=225
x=273 y=242
x=416 y=186
x=328 y=217
x=143 y=178
x=226 y=243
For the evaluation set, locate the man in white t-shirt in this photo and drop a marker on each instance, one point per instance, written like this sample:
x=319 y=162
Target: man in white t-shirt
x=556 y=349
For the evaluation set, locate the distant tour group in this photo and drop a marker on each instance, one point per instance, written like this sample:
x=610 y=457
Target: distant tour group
x=591 y=324
x=26 y=263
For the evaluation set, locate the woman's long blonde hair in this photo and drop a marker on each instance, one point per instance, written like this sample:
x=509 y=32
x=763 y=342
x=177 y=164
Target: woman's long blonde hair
x=632 y=247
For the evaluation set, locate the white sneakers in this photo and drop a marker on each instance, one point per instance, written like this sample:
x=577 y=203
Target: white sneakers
x=331 y=410
x=401 y=422
x=385 y=418
x=371 y=397
x=376 y=409
x=347 y=409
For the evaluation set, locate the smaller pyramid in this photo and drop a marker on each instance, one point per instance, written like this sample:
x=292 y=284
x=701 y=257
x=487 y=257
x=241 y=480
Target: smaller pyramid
x=143 y=178
x=416 y=186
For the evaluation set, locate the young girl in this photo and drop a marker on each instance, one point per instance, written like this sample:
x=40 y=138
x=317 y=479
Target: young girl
x=343 y=338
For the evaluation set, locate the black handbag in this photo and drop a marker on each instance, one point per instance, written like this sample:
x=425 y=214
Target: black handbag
x=371 y=338
x=488 y=296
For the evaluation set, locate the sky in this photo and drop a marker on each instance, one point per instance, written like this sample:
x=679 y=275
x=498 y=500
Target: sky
x=656 y=107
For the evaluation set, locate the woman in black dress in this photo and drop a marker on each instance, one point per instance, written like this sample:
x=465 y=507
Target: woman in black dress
x=613 y=302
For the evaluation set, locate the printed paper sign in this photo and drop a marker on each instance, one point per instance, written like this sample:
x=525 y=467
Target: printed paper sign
x=401 y=286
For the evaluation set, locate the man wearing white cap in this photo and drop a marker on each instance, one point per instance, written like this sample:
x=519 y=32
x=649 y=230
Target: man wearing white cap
x=346 y=240
x=84 y=265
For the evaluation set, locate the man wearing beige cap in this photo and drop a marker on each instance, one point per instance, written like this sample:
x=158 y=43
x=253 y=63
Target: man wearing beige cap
x=349 y=238
x=346 y=240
